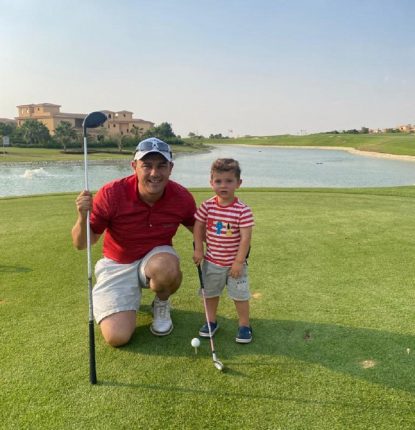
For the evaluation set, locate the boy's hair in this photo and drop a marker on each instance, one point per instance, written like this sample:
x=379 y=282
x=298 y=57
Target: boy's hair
x=226 y=165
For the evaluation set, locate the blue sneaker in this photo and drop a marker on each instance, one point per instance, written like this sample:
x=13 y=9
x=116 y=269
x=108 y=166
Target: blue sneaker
x=204 y=330
x=244 y=334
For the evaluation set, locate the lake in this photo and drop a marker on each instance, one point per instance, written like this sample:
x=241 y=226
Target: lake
x=261 y=167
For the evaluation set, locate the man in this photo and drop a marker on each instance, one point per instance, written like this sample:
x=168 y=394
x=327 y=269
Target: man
x=139 y=214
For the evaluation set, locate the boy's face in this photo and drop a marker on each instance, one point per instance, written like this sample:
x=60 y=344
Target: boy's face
x=224 y=185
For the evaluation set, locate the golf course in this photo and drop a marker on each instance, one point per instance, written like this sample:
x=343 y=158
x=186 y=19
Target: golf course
x=401 y=144
x=332 y=282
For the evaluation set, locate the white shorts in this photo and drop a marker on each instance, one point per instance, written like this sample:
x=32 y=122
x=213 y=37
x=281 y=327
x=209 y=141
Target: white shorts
x=118 y=286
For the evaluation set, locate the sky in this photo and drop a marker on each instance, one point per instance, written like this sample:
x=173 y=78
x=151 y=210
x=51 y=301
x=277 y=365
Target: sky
x=236 y=67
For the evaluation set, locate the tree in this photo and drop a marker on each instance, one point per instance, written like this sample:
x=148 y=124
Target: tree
x=6 y=129
x=136 y=131
x=351 y=131
x=101 y=136
x=34 y=132
x=119 y=139
x=217 y=136
x=163 y=131
x=192 y=135
x=65 y=133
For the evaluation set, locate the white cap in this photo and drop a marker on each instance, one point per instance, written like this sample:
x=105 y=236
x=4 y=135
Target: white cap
x=152 y=144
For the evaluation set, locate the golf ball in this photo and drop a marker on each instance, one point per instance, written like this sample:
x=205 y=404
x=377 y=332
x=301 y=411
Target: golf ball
x=195 y=342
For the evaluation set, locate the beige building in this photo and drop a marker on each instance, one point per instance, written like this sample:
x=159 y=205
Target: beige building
x=122 y=123
x=407 y=128
x=118 y=123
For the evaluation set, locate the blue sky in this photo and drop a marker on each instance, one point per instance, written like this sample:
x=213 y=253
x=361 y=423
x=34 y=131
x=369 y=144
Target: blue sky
x=233 y=67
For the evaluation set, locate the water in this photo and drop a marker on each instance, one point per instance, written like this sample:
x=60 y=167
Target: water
x=261 y=167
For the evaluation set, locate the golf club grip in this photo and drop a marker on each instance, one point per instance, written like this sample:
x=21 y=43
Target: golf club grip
x=92 y=367
x=199 y=271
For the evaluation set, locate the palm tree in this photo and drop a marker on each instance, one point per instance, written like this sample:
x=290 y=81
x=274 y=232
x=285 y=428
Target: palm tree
x=65 y=133
x=137 y=131
x=35 y=132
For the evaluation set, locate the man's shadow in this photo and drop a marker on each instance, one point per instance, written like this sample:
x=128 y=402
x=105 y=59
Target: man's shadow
x=377 y=356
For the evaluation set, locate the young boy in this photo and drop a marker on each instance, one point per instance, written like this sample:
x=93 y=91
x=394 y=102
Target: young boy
x=226 y=223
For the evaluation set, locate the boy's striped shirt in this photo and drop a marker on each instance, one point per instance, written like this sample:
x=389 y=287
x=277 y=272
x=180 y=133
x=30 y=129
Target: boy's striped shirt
x=222 y=228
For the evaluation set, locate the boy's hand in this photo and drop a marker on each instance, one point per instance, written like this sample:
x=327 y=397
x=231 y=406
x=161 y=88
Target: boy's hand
x=197 y=257
x=236 y=269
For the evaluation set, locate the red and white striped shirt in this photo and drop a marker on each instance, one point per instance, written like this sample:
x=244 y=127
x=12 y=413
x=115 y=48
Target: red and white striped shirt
x=222 y=228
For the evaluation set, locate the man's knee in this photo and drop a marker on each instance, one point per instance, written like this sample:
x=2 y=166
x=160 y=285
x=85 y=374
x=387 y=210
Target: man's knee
x=164 y=271
x=117 y=329
x=116 y=339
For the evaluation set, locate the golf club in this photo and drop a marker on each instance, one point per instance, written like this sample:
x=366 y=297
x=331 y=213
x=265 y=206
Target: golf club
x=92 y=120
x=218 y=364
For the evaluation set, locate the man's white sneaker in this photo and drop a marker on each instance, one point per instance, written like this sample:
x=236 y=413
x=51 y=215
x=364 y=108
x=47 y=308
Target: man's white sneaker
x=162 y=323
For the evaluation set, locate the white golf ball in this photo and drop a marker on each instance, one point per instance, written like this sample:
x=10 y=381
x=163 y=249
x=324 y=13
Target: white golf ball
x=195 y=342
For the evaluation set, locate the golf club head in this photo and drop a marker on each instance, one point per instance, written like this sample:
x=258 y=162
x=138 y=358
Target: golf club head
x=94 y=119
x=219 y=365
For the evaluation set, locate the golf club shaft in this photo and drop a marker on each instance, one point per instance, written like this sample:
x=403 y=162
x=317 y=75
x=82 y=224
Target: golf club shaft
x=92 y=364
x=202 y=287
x=212 y=346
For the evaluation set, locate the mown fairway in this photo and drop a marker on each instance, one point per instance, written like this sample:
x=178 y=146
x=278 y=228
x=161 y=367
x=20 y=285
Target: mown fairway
x=388 y=143
x=332 y=278
x=41 y=155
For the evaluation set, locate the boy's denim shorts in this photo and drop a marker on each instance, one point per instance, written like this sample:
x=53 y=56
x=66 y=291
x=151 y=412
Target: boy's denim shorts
x=118 y=286
x=215 y=278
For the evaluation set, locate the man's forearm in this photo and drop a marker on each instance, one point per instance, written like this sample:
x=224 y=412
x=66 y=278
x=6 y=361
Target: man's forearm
x=79 y=234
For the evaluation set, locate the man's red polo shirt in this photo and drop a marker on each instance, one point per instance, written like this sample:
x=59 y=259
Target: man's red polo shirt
x=132 y=227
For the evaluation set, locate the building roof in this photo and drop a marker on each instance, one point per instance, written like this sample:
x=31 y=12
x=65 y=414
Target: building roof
x=39 y=104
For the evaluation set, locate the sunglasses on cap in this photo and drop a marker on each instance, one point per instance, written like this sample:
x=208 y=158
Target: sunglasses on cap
x=153 y=145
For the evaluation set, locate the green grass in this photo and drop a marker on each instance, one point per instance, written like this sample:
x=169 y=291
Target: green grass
x=332 y=276
x=35 y=155
x=389 y=143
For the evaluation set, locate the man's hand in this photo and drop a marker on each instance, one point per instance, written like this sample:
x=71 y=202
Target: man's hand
x=84 y=203
x=79 y=230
